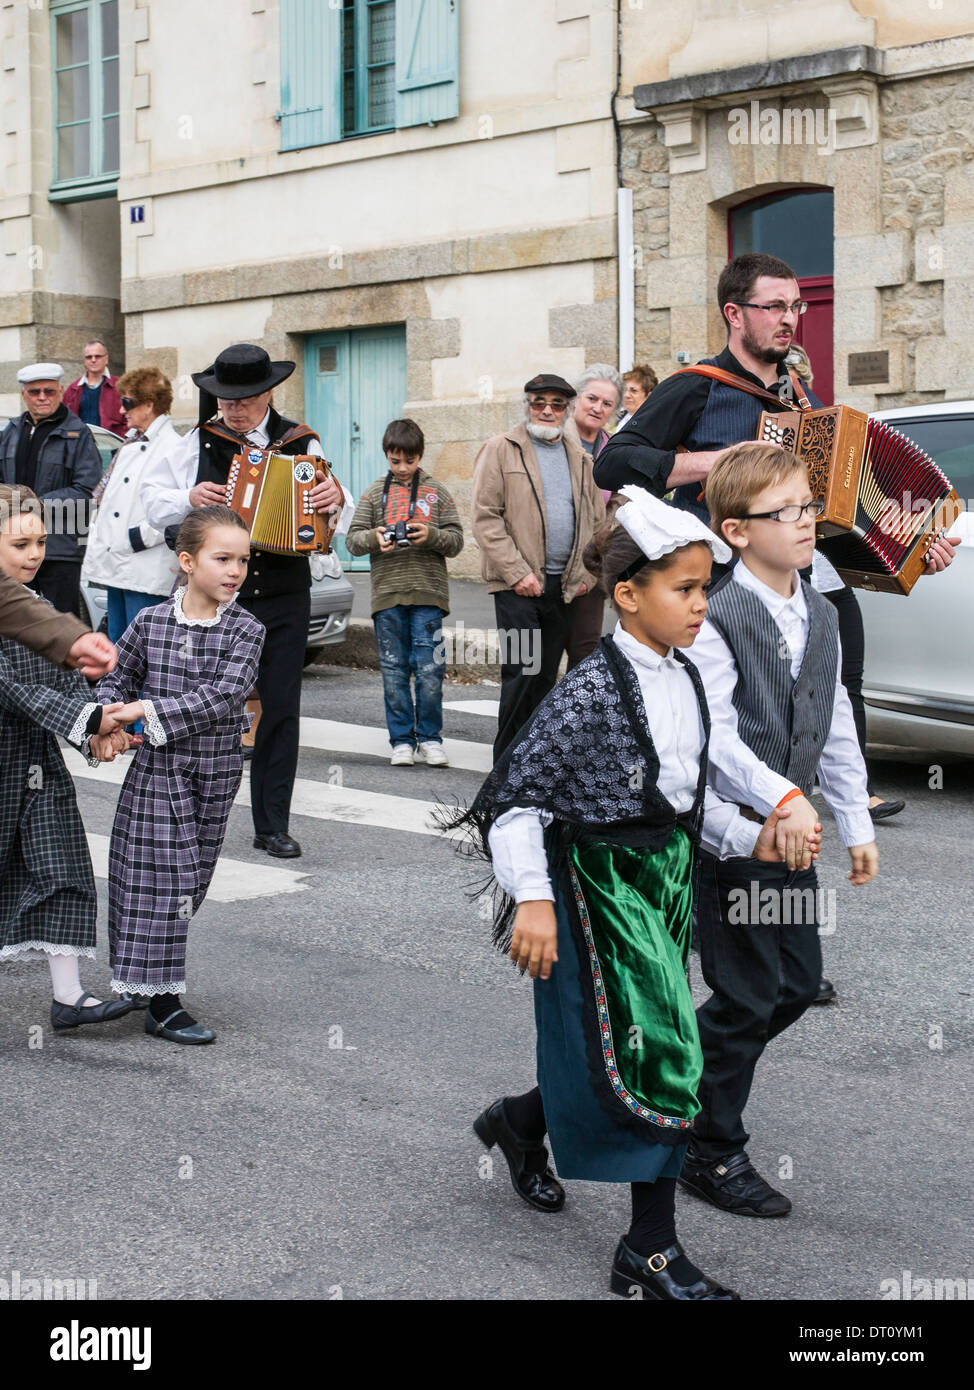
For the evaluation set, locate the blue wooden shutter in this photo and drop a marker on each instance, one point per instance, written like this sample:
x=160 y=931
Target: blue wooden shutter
x=427 y=51
x=311 y=73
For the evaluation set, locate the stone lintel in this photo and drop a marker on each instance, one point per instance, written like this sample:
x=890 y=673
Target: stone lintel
x=782 y=72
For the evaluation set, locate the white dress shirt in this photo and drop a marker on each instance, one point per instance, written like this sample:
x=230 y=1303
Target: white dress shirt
x=166 y=486
x=735 y=772
x=673 y=715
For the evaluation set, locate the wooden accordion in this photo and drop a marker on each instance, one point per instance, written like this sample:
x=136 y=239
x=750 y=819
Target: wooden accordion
x=886 y=500
x=271 y=493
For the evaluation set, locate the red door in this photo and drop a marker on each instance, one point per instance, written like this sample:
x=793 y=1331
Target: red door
x=815 y=333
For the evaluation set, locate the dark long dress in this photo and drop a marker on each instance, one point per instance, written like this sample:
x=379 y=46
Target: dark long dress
x=47 y=889
x=175 y=802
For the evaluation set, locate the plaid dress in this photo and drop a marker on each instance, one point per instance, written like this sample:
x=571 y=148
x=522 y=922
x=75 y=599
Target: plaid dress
x=47 y=889
x=193 y=678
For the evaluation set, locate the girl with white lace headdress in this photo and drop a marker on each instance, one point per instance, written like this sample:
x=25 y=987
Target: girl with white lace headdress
x=194 y=659
x=47 y=888
x=590 y=822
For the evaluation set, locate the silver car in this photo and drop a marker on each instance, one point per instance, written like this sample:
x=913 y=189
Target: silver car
x=919 y=671
x=331 y=599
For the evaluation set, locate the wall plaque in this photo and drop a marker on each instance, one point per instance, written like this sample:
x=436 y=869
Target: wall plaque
x=866 y=368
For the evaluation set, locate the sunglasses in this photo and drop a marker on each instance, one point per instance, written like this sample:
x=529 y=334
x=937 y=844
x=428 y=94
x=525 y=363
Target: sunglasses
x=35 y=391
x=129 y=404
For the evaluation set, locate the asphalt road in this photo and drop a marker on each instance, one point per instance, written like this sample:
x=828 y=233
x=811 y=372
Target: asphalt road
x=280 y=1164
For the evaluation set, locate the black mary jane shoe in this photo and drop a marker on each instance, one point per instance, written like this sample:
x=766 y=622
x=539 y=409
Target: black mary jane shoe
x=65 y=1016
x=647 y=1276
x=885 y=809
x=135 y=1001
x=192 y=1033
x=734 y=1185
x=280 y=845
x=540 y=1189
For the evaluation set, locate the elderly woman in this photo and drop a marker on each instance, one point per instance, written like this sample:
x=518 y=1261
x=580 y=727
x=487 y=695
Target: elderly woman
x=599 y=393
x=638 y=382
x=124 y=552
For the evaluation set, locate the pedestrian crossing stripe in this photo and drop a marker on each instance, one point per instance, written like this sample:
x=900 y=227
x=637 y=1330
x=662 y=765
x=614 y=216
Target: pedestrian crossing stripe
x=487 y=707
x=336 y=737
x=234 y=880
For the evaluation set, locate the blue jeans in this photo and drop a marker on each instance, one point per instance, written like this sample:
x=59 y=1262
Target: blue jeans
x=407 y=637
x=123 y=604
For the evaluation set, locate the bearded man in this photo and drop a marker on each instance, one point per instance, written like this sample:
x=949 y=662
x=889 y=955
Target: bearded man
x=534 y=509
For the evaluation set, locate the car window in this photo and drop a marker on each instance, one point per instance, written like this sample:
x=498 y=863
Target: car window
x=950 y=443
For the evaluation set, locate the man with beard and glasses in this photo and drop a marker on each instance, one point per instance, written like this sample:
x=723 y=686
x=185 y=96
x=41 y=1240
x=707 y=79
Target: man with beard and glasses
x=534 y=509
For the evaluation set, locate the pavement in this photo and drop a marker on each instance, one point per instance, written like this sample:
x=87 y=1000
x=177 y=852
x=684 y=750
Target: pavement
x=322 y=1147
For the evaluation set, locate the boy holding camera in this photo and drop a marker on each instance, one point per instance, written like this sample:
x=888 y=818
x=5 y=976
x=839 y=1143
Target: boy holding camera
x=408 y=524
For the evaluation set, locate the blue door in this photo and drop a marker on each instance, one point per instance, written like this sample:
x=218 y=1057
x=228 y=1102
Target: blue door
x=355 y=383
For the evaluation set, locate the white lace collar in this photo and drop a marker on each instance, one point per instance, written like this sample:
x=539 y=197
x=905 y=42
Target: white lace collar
x=177 y=608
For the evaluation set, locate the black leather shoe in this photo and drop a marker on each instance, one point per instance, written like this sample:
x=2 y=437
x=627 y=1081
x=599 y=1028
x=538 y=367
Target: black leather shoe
x=646 y=1276
x=826 y=993
x=135 y=1001
x=280 y=845
x=885 y=809
x=65 y=1016
x=734 y=1185
x=193 y=1033
x=540 y=1190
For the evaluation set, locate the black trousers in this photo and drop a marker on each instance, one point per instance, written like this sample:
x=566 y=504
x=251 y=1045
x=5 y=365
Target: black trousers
x=533 y=633
x=275 y=761
x=59 y=581
x=853 y=641
x=761 y=956
x=586 y=615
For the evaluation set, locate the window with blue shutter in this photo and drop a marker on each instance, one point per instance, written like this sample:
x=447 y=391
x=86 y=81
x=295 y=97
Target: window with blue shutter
x=357 y=67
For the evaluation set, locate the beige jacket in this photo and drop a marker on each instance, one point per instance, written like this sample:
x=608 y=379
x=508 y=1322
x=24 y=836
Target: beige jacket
x=37 y=625
x=508 y=516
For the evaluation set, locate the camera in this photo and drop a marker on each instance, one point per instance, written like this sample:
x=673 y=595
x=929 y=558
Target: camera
x=398 y=533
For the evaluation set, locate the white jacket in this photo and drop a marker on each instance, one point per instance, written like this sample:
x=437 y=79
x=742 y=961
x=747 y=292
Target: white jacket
x=123 y=550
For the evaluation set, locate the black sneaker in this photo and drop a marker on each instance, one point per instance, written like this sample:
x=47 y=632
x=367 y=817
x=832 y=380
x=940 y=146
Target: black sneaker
x=734 y=1185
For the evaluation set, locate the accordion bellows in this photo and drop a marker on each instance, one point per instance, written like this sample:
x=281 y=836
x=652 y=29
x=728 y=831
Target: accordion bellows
x=271 y=493
x=885 y=499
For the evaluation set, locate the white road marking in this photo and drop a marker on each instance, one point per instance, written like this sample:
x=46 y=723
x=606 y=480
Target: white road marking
x=488 y=707
x=336 y=737
x=235 y=880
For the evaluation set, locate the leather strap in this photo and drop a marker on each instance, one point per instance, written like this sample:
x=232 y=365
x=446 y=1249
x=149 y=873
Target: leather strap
x=731 y=379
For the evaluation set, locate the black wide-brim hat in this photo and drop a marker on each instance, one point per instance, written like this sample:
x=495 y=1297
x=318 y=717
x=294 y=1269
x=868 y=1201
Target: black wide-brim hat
x=240 y=371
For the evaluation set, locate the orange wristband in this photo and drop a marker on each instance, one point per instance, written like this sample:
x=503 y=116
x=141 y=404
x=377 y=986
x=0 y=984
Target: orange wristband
x=795 y=791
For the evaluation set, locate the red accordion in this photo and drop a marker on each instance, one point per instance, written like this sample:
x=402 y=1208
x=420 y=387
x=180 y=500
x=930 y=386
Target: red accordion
x=886 y=500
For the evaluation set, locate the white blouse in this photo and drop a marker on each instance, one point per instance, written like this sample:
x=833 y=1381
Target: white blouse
x=673 y=714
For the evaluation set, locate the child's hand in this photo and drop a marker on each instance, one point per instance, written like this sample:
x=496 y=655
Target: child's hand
x=385 y=545
x=418 y=532
x=110 y=720
x=103 y=747
x=534 y=946
x=865 y=863
x=790 y=838
x=766 y=846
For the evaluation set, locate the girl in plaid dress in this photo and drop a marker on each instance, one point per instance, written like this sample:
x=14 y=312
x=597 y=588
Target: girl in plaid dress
x=47 y=889
x=194 y=659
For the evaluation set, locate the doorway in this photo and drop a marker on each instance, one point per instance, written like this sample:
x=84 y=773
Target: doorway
x=355 y=383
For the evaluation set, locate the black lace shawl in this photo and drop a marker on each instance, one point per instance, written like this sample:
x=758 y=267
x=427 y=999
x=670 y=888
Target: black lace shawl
x=587 y=757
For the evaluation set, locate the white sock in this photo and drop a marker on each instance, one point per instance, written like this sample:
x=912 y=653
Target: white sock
x=66 y=980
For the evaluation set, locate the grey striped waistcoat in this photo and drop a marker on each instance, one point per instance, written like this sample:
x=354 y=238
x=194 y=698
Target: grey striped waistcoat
x=784 y=722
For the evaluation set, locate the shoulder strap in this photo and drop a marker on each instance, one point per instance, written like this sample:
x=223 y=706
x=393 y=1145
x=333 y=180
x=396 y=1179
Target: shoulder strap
x=295 y=432
x=730 y=379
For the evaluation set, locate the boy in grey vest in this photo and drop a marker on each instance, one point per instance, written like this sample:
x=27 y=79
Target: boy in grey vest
x=769 y=657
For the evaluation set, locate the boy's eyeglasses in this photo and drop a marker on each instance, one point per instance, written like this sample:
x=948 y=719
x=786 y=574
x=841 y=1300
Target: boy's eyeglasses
x=779 y=308
x=792 y=513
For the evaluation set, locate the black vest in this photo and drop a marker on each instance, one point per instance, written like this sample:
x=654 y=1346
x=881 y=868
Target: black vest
x=269 y=575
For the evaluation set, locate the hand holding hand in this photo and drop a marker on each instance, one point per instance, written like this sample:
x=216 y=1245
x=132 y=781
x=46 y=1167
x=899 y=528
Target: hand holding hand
x=534 y=946
x=768 y=848
x=865 y=863
x=110 y=720
x=801 y=821
x=93 y=655
x=207 y=495
x=528 y=587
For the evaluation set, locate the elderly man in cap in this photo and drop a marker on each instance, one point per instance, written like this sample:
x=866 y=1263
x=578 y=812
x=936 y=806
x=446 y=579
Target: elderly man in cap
x=51 y=451
x=276 y=591
x=534 y=509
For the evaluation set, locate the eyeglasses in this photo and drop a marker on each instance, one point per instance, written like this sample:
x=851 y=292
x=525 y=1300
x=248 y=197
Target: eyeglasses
x=95 y=356
x=35 y=391
x=557 y=406
x=793 y=513
x=779 y=308
x=129 y=404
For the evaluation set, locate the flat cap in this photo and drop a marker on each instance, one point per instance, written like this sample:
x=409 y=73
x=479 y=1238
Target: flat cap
x=40 y=371
x=546 y=381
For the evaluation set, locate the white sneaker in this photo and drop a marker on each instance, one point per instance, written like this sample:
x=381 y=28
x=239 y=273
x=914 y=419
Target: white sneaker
x=434 y=755
x=402 y=755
